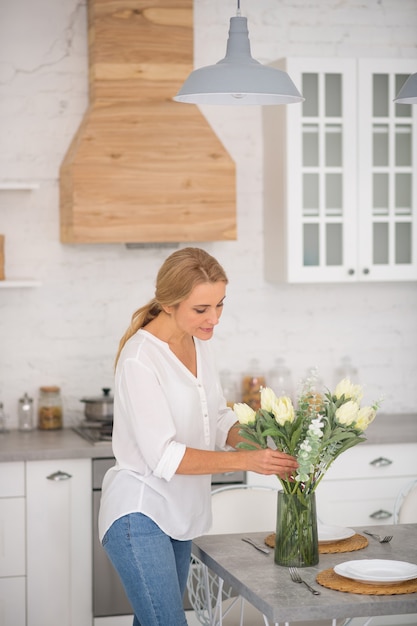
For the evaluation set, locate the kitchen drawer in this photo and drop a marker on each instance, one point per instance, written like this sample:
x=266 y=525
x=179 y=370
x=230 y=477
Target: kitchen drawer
x=356 y=502
x=375 y=461
x=12 y=479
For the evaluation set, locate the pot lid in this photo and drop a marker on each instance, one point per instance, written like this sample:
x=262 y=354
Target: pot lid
x=106 y=397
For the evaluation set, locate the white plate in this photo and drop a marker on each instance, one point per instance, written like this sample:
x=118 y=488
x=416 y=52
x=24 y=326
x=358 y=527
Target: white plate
x=327 y=534
x=377 y=571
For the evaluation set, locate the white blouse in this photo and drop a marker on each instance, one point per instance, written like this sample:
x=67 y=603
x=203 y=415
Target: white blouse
x=160 y=408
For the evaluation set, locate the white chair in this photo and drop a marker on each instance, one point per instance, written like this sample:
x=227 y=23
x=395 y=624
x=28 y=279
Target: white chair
x=236 y=509
x=405 y=508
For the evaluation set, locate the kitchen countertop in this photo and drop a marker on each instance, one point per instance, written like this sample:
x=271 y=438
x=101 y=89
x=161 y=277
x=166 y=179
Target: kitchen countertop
x=399 y=428
x=40 y=445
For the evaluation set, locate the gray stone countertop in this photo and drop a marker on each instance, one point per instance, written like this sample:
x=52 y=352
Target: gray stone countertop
x=268 y=586
x=399 y=428
x=41 y=445
x=66 y=444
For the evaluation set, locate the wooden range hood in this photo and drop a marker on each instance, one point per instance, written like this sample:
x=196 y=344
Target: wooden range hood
x=143 y=168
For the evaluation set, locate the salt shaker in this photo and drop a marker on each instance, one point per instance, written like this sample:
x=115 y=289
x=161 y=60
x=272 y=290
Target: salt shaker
x=25 y=413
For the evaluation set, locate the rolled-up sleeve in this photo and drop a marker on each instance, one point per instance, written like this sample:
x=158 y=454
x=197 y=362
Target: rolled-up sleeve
x=170 y=460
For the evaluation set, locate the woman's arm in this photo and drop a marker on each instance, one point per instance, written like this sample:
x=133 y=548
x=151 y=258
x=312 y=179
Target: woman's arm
x=264 y=461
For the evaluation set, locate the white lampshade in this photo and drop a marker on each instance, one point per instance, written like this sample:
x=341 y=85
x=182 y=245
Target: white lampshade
x=408 y=92
x=238 y=79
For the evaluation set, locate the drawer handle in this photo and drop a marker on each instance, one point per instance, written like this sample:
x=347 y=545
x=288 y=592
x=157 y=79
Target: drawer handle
x=381 y=462
x=59 y=476
x=381 y=514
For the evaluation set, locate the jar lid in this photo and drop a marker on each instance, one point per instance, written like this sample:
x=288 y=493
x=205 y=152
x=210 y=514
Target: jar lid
x=50 y=389
x=25 y=399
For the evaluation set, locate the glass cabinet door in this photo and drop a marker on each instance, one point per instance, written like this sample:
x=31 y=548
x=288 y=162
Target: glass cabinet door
x=340 y=174
x=325 y=172
x=387 y=173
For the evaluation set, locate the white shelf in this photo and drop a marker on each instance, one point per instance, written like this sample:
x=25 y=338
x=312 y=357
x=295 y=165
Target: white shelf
x=20 y=282
x=15 y=185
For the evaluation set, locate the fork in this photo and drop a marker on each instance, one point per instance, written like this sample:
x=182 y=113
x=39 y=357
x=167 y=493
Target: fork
x=296 y=578
x=385 y=539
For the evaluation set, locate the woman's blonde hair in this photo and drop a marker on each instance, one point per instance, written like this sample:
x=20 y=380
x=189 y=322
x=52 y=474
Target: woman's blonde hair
x=179 y=274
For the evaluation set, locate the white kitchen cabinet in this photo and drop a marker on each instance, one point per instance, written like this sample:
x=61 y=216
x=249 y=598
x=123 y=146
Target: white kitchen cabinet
x=362 y=485
x=12 y=542
x=340 y=199
x=59 y=546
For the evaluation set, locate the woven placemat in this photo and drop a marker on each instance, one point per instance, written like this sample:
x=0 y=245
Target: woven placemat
x=357 y=542
x=328 y=578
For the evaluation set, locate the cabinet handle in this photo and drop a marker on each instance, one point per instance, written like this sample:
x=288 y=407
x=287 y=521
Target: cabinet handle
x=381 y=514
x=59 y=476
x=365 y=270
x=351 y=272
x=380 y=462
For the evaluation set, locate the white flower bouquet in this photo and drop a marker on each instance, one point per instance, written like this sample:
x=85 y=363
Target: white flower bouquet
x=316 y=432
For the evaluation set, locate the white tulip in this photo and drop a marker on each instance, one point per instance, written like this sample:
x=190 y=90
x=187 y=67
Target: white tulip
x=366 y=415
x=283 y=410
x=349 y=390
x=245 y=413
x=268 y=399
x=348 y=413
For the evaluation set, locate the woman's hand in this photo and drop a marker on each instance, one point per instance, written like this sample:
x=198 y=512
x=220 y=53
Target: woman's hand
x=268 y=461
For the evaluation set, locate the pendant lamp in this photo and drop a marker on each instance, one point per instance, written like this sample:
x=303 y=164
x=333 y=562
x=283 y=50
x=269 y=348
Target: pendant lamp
x=408 y=92
x=238 y=79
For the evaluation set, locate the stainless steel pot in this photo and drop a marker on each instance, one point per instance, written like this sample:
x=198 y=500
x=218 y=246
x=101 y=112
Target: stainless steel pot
x=99 y=409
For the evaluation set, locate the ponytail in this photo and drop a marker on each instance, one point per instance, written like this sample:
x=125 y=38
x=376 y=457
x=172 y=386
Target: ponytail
x=140 y=318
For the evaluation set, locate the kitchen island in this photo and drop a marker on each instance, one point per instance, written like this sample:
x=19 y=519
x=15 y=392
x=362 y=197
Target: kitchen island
x=269 y=588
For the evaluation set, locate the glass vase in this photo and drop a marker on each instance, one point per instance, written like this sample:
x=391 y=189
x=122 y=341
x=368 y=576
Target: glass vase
x=296 y=540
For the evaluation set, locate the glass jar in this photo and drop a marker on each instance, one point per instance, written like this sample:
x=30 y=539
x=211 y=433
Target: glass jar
x=346 y=369
x=230 y=388
x=50 y=408
x=25 y=411
x=280 y=380
x=251 y=386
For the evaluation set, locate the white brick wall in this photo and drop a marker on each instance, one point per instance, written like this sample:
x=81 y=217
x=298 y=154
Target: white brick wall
x=66 y=332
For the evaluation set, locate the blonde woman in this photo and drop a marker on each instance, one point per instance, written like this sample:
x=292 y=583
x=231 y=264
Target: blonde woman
x=172 y=430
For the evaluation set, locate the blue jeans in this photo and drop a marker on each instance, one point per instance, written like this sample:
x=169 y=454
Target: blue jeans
x=153 y=568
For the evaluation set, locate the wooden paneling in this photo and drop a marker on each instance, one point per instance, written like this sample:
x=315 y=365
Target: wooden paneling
x=143 y=168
